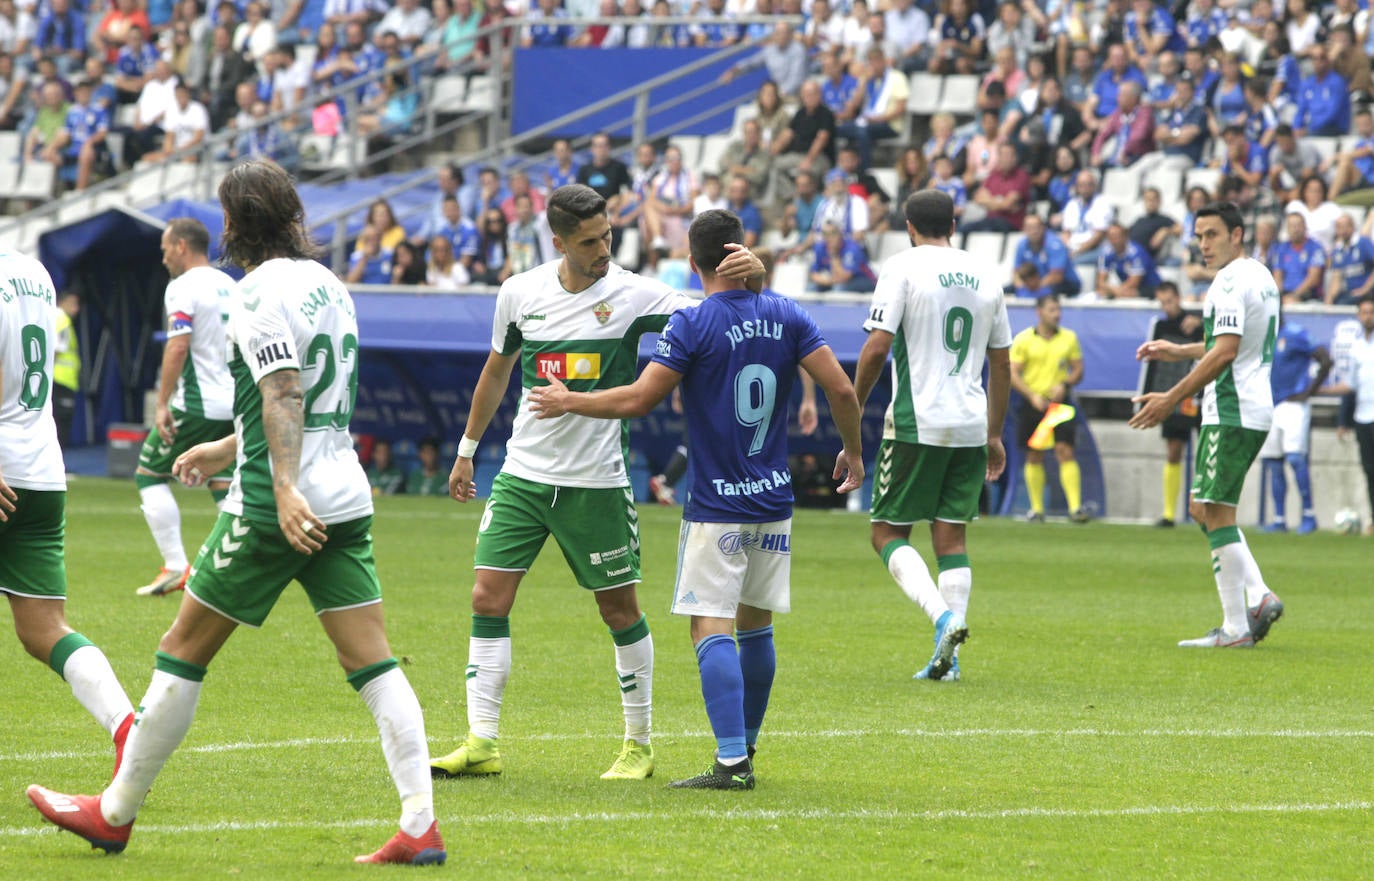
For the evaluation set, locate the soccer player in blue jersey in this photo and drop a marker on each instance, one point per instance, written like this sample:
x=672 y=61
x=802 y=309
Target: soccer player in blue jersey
x=1293 y=383
x=735 y=550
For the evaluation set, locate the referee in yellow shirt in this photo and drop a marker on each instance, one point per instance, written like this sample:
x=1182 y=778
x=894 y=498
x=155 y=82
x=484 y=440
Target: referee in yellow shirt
x=1046 y=363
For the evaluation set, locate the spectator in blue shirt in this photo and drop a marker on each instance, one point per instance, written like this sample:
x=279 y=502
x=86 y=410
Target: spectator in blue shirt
x=946 y=181
x=1323 y=101
x=839 y=263
x=1167 y=73
x=1204 y=78
x=461 y=232
x=1149 y=30
x=715 y=31
x=1125 y=269
x=1352 y=265
x=1042 y=264
x=1181 y=129
x=133 y=66
x=1260 y=119
x=1355 y=166
x=1204 y=22
x=837 y=86
x=1244 y=160
x=1107 y=85
x=370 y=262
x=82 y=140
x=61 y=36
x=737 y=196
x=546 y=26
x=1299 y=263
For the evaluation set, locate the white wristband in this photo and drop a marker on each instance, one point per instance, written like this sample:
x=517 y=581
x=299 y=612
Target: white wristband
x=466 y=447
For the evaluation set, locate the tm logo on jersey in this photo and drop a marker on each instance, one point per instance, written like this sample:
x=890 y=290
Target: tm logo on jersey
x=568 y=365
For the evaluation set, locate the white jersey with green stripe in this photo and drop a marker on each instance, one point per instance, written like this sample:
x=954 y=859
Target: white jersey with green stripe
x=198 y=303
x=30 y=457
x=590 y=340
x=944 y=310
x=1242 y=301
x=296 y=315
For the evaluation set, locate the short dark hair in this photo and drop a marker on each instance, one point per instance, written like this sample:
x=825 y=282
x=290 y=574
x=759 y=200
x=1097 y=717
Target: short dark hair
x=1283 y=130
x=428 y=440
x=264 y=215
x=1228 y=212
x=1046 y=298
x=708 y=235
x=930 y=212
x=570 y=205
x=1367 y=298
x=192 y=232
x=1166 y=287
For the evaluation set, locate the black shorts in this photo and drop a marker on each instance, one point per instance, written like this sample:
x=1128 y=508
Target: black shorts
x=1176 y=426
x=1027 y=418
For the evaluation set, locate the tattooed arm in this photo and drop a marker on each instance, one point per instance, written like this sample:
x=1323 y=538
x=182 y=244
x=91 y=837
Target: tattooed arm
x=283 y=421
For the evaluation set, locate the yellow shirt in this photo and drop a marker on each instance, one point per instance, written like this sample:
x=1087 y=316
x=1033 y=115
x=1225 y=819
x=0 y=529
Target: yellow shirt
x=1045 y=362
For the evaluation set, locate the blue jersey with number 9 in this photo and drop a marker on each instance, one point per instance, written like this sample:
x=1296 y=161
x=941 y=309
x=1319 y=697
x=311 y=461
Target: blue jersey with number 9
x=738 y=354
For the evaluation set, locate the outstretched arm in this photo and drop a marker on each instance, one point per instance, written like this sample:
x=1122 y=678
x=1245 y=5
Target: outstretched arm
x=621 y=402
x=1156 y=406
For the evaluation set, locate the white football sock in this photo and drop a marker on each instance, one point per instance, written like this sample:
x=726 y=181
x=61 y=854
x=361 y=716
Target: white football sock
x=96 y=688
x=164 y=520
x=955 y=587
x=1228 y=562
x=1255 y=588
x=912 y=576
x=634 y=665
x=164 y=717
x=488 y=670
x=402 y=726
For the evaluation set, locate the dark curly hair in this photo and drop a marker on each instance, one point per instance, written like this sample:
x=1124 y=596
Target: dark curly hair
x=263 y=216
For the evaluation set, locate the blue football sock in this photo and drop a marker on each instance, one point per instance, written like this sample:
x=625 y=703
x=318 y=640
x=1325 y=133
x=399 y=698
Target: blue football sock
x=1278 y=487
x=1303 y=478
x=722 y=685
x=758 y=661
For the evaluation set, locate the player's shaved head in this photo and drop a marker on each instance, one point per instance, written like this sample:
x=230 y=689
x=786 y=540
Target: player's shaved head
x=710 y=232
x=931 y=213
x=192 y=232
x=570 y=205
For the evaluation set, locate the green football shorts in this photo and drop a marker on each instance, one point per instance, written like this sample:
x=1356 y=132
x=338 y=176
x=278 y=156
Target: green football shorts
x=1224 y=456
x=915 y=482
x=31 y=562
x=158 y=457
x=244 y=566
x=597 y=530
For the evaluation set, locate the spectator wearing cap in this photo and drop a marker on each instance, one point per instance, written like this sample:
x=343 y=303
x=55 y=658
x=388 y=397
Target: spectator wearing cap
x=1125 y=269
x=1323 y=102
x=1351 y=277
x=1127 y=134
x=783 y=56
x=838 y=263
x=61 y=36
x=1290 y=161
x=1299 y=263
x=881 y=113
x=1084 y=220
x=1106 y=88
x=1004 y=194
x=1354 y=168
x=1042 y=264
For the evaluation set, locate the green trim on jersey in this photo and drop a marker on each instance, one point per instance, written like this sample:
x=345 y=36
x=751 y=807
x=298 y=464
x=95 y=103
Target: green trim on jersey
x=192 y=400
x=903 y=409
x=1228 y=398
x=255 y=470
x=514 y=339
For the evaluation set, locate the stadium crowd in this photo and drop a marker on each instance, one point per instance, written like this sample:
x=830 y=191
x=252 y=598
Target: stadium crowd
x=1246 y=101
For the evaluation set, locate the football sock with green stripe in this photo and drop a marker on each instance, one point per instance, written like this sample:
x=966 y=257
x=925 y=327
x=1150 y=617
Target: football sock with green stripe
x=758 y=662
x=634 y=669
x=1228 y=565
x=400 y=722
x=488 y=669
x=722 y=687
x=164 y=717
x=93 y=684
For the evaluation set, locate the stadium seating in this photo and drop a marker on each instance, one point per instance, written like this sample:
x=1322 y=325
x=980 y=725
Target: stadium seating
x=960 y=95
x=923 y=98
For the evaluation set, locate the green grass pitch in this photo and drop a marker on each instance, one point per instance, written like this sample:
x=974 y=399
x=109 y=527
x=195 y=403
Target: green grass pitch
x=1081 y=743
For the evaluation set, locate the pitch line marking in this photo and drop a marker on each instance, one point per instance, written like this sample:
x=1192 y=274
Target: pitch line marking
x=293 y=743
x=621 y=817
